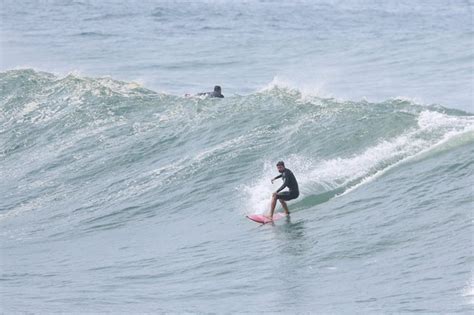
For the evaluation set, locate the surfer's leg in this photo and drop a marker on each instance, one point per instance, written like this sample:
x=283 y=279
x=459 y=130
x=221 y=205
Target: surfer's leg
x=272 y=208
x=285 y=206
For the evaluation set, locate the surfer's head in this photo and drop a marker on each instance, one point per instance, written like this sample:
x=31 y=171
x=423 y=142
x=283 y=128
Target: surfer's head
x=281 y=166
x=217 y=91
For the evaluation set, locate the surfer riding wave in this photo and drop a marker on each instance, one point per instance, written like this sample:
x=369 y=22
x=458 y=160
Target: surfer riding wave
x=289 y=180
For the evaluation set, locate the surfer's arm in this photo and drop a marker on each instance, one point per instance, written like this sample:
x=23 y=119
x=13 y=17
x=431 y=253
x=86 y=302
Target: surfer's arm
x=279 y=176
x=285 y=184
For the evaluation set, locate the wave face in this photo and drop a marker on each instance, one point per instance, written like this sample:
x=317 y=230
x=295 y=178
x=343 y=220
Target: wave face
x=115 y=197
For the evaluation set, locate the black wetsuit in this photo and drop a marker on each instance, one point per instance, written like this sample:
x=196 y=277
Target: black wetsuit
x=289 y=180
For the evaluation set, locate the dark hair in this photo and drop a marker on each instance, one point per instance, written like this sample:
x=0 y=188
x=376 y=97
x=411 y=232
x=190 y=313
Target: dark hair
x=217 y=88
x=281 y=163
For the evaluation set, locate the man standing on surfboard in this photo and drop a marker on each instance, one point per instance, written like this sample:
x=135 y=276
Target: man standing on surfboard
x=289 y=180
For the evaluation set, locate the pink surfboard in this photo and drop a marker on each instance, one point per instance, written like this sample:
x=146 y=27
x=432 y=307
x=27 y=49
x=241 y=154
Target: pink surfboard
x=260 y=218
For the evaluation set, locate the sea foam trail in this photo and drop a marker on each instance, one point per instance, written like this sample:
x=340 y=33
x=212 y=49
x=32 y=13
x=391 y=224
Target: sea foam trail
x=342 y=175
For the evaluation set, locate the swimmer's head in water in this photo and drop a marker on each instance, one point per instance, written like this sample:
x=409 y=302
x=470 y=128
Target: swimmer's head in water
x=281 y=166
x=217 y=89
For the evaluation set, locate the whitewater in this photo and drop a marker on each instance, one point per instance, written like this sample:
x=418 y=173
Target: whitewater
x=118 y=194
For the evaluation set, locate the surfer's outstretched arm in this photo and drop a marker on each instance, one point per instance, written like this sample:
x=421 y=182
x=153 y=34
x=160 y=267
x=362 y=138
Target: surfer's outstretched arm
x=279 y=176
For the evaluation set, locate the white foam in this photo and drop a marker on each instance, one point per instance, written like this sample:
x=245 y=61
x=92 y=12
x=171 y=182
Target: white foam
x=411 y=100
x=28 y=108
x=307 y=90
x=468 y=290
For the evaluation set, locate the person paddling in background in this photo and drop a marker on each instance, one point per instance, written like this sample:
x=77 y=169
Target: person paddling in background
x=289 y=180
x=217 y=93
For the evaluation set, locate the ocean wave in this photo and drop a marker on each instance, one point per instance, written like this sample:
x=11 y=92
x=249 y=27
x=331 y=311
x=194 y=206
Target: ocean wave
x=71 y=130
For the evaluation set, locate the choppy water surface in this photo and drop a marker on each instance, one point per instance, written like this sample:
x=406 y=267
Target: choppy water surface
x=353 y=50
x=117 y=197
